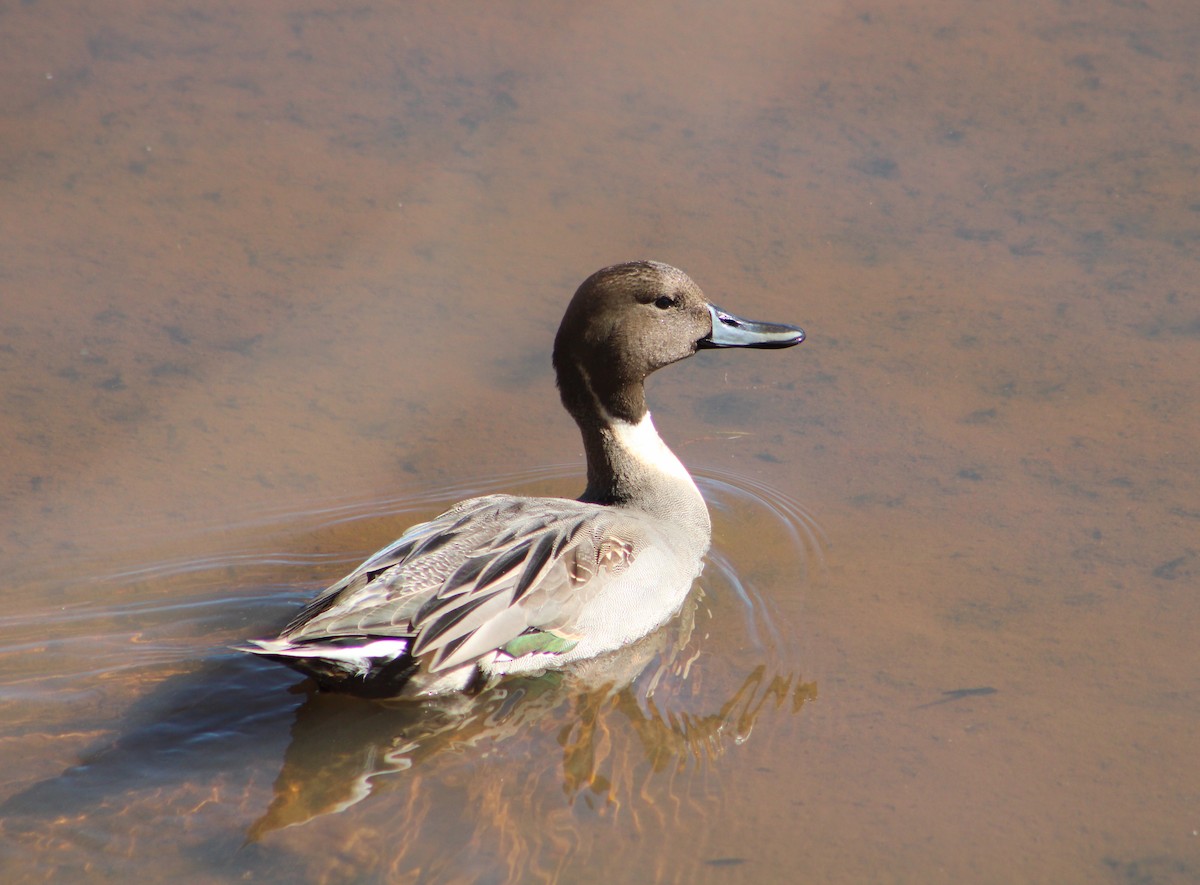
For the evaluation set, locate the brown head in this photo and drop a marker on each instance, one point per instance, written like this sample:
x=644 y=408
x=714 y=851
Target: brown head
x=628 y=320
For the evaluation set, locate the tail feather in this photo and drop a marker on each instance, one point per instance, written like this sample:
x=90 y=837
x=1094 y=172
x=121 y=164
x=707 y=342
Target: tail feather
x=340 y=661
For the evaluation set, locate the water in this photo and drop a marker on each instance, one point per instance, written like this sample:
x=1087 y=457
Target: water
x=276 y=282
x=223 y=765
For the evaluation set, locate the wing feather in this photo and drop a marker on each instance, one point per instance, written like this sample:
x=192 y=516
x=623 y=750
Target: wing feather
x=459 y=590
x=541 y=557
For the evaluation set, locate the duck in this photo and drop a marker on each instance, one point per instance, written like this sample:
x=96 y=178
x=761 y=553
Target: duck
x=503 y=584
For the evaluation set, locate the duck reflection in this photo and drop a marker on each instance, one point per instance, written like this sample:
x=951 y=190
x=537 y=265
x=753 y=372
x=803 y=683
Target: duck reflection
x=342 y=748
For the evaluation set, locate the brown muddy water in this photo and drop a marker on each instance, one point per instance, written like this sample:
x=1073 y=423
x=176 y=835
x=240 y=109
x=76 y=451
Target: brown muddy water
x=279 y=279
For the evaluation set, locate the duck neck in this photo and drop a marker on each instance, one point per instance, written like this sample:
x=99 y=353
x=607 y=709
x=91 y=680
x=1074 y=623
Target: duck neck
x=629 y=465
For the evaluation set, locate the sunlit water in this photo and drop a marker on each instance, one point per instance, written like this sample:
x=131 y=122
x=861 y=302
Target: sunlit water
x=187 y=747
x=278 y=280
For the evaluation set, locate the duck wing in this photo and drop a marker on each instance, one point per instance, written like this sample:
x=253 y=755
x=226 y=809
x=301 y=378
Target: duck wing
x=475 y=579
x=396 y=578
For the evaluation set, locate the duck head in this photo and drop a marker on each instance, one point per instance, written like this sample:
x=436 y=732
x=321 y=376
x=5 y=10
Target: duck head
x=628 y=320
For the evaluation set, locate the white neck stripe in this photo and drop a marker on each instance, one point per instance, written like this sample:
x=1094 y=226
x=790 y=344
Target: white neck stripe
x=642 y=441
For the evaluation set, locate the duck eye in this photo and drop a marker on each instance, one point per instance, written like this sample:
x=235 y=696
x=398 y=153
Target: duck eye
x=662 y=302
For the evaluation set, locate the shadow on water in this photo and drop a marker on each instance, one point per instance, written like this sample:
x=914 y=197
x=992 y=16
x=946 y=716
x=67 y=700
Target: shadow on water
x=626 y=733
x=222 y=717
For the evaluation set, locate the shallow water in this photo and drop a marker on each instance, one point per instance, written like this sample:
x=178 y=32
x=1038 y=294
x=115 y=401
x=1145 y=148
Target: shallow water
x=240 y=768
x=278 y=281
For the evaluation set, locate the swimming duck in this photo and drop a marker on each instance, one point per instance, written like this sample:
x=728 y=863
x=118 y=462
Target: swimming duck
x=503 y=584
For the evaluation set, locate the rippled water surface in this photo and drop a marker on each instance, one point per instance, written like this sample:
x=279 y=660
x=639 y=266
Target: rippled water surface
x=278 y=280
x=225 y=766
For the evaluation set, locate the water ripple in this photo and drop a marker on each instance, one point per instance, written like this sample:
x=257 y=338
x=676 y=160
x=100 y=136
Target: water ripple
x=639 y=733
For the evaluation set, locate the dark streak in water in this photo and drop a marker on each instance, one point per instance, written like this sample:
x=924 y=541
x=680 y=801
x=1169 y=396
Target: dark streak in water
x=960 y=693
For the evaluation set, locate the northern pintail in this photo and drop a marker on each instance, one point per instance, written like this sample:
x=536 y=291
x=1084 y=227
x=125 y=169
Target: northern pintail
x=504 y=584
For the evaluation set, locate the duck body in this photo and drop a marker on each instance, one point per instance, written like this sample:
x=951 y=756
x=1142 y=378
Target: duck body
x=503 y=584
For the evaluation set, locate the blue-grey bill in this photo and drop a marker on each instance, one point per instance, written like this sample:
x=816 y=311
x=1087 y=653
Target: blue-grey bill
x=733 y=331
